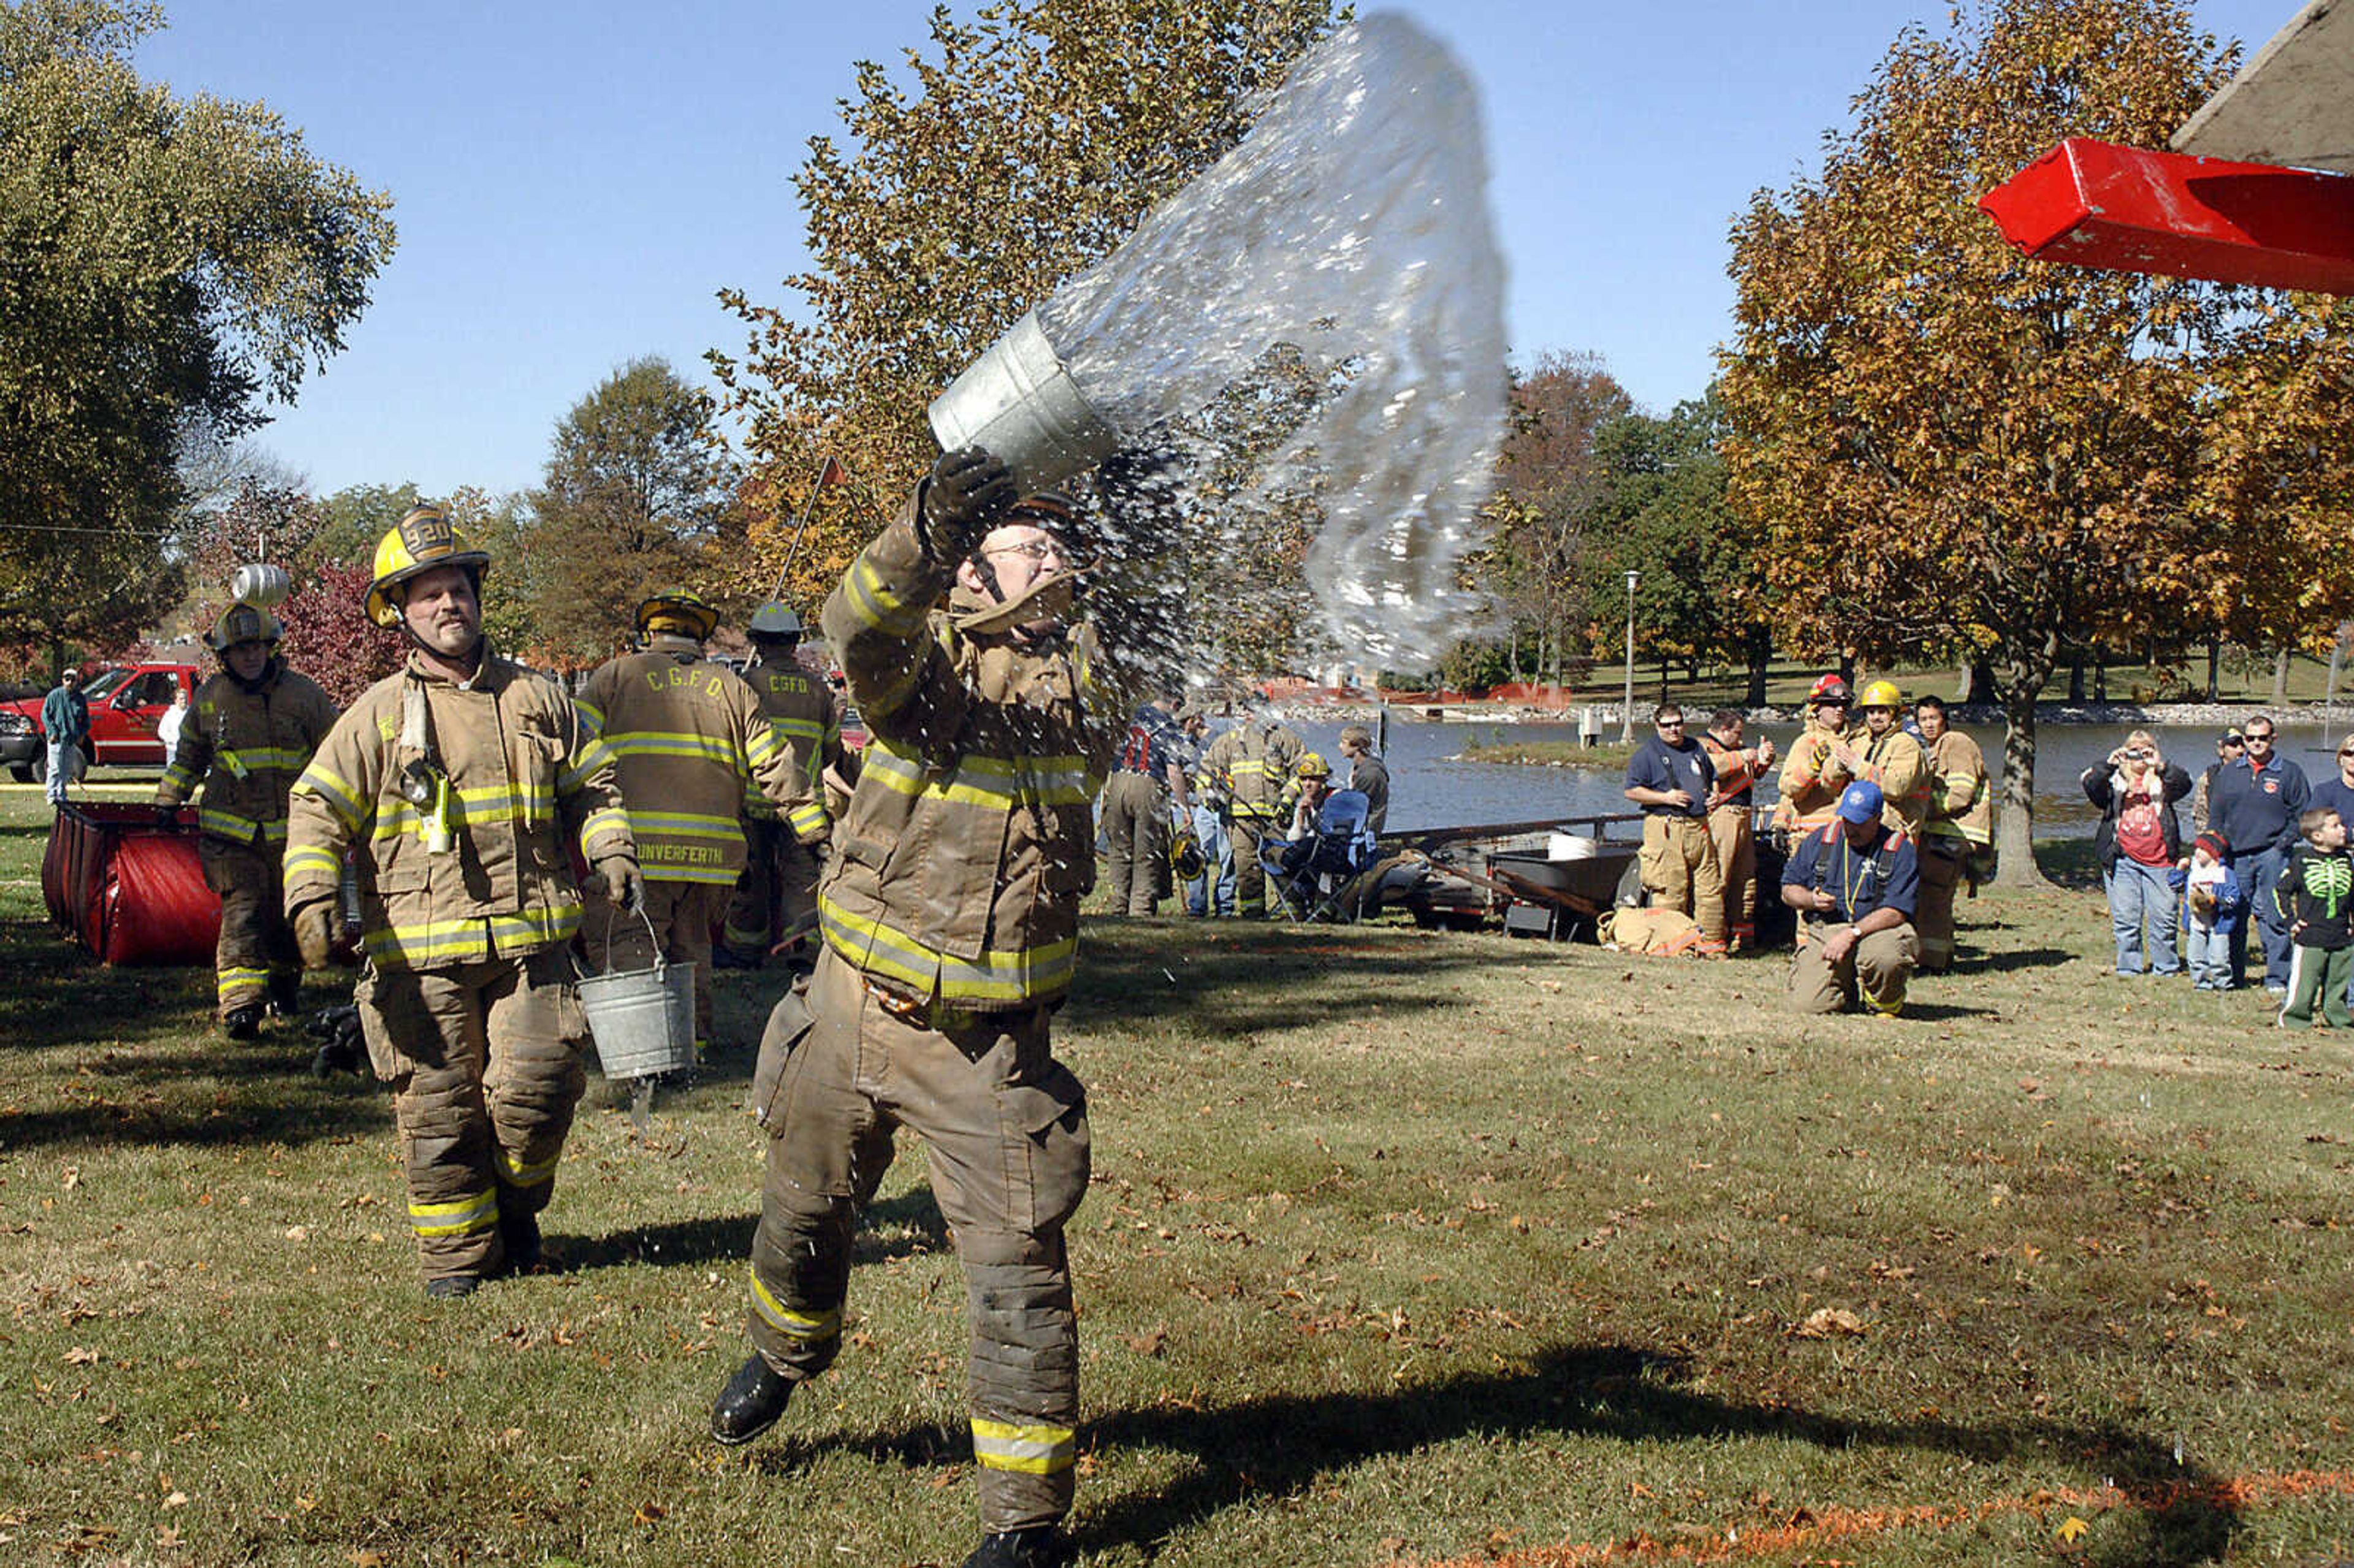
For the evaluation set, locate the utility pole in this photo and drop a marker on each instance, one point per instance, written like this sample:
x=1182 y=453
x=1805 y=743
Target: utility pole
x=1627 y=713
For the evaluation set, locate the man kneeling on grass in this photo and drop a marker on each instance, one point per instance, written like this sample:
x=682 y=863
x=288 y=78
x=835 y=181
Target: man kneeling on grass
x=1854 y=883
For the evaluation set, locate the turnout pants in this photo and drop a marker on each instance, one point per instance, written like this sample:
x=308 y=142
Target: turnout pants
x=1878 y=967
x=1136 y=833
x=2318 y=979
x=484 y=1064
x=682 y=914
x=1733 y=831
x=1680 y=869
x=1005 y=1128
x=1250 y=876
x=255 y=957
x=776 y=897
x=1942 y=859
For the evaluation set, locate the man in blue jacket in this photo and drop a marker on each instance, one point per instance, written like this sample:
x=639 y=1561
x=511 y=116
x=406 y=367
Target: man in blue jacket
x=65 y=729
x=2254 y=803
x=1855 y=885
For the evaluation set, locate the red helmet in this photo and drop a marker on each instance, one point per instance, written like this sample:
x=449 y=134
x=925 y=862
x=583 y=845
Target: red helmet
x=1829 y=689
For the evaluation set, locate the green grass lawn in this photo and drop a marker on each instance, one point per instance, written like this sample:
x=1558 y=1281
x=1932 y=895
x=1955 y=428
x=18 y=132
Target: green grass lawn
x=1402 y=1246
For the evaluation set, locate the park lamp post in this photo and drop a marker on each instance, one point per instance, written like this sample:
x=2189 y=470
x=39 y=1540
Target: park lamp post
x=1627 y=712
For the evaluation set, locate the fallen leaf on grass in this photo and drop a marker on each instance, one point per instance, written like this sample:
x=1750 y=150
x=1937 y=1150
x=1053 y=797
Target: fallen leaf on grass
x=178 y=1499
x=2072 y=1528
x=80 y=1356
x=168 y=1537
x=647 y=1513
x=1147 y=1343
x=363 y=1557
x=1826 y=1321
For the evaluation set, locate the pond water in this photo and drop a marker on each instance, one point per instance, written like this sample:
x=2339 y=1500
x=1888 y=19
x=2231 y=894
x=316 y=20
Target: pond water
x=1427 y=789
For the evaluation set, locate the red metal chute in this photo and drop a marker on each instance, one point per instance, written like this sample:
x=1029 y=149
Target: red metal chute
x=131 y=892
x=2126 y=209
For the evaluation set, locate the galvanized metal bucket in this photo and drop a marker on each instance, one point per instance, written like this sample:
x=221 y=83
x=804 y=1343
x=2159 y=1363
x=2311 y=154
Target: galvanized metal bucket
x=641 y=1020
x=260 y=584
x=1019 y=401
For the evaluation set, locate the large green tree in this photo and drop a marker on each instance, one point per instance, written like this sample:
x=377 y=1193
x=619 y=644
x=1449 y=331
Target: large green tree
x=1950 y=446
x=638 y=489
x=1026 y=146
x=168 y=266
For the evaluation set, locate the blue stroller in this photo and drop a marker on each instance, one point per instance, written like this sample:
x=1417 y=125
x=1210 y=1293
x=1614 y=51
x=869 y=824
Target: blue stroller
x=1312 y=874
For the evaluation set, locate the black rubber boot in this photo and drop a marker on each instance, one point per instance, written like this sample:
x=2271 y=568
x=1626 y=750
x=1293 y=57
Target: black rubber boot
x=520 y=1233
x=751 y=1403
x=285 y=995
x=1042 y=1546
x=451 y=1286
x=243 y=1022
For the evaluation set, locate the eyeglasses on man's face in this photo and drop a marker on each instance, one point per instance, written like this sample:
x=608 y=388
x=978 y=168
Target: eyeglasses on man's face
x=1037 y=549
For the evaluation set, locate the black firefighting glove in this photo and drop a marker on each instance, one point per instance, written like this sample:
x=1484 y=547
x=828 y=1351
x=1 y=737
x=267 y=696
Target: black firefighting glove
x=168 y=818
x=967 y=491
x=314 y=933
x=625 y=884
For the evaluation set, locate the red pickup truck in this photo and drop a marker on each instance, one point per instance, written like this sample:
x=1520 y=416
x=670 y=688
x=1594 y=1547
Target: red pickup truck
x=125 y=706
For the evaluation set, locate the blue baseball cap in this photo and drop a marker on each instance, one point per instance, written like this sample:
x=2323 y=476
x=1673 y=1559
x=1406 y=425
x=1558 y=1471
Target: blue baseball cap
x=1860 y=802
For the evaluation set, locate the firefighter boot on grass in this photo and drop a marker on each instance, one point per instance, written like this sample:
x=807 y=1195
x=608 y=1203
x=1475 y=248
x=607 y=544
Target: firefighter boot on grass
x=751 y=1403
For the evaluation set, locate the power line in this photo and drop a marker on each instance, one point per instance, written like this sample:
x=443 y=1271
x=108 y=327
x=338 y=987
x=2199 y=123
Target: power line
x=64 y=528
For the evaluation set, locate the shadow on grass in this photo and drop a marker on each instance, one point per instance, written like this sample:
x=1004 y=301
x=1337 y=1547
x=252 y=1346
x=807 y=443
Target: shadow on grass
x=2001 y=961
x=1247 y=1453
x=1231 y=977
x=910 y=1224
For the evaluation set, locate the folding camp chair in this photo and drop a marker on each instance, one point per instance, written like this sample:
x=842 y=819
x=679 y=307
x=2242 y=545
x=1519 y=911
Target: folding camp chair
x=1310 y=875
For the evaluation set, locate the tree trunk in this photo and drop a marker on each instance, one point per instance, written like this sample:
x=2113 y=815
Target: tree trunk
x=1982 y=688
x=2076 y=681
x=2280 y=681
x=1663 y=679
x=2214 y=665
x=2100 y=677
x=1761 y=654
x=1847 y=668
x=2015 y=828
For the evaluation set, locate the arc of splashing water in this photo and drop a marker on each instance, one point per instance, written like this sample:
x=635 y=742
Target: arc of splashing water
x=1351 y=224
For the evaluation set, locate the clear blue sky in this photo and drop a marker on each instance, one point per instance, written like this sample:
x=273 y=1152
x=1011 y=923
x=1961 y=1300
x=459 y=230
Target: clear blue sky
x=573 y=182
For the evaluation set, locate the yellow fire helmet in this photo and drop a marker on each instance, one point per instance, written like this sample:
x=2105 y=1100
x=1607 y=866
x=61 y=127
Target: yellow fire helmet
x=417 y=544
x=1311 y=764
x=244 y=623
x=680 y=611
x=1881 y=694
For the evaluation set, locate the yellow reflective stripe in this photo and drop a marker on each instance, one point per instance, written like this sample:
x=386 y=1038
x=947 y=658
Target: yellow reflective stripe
x=311 y=859
x=993 y=977
x=239 y=979
x=763 y=746
x=656 y=742
x=873 y=603
x=462 y=1217
x=460 y=938
x=801 y=729
x=989 y=781
x=604 y=820
x=683 y=824
x=322 y=785
x=519 y=1174
x=808 y=819
x=231 y=825
x=1035 y=1450
x=592 y=756
x=785 y=1320
x=590 y=712
x=180 y=780
x=253 y=758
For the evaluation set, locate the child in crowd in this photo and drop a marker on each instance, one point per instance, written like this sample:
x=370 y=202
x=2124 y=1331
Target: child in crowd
x=2314 y=896
x=2215 y=903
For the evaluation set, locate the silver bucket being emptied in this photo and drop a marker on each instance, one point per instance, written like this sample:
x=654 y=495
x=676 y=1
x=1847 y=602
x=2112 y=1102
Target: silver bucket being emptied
x=1018 y=401
x=641 y=1020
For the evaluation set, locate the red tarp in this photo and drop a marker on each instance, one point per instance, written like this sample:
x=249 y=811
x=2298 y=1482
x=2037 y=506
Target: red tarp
x=131 y=892
x=2125 y=209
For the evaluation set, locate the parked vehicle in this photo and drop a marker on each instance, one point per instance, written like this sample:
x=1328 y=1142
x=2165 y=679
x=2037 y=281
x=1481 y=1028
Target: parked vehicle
x=125 y=706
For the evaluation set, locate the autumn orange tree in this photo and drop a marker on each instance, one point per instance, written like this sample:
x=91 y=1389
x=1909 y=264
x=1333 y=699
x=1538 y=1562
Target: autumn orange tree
x=1951 y=449
x=1026 y=145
